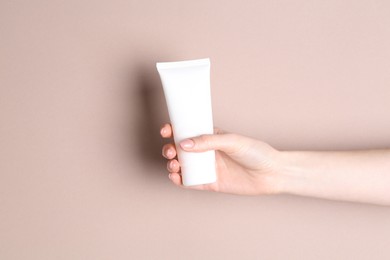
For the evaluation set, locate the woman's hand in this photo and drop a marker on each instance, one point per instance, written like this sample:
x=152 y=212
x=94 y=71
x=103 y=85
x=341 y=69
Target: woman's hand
x=244 y=166
x=249 y=167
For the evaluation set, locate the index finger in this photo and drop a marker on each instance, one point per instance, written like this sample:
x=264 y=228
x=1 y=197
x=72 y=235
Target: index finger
x=166 y=131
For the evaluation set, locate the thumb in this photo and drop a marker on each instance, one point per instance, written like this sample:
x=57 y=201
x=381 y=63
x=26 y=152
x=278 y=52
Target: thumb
x=228 y=143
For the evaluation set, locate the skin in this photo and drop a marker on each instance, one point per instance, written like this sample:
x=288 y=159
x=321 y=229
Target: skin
x=247 y=166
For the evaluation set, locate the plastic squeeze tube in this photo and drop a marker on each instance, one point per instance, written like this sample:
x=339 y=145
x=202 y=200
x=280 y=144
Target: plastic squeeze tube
x=186 y=87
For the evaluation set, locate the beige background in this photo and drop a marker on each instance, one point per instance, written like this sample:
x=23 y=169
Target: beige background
x=81 y=175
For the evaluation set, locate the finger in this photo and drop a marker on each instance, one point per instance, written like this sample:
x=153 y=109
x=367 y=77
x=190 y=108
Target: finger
x=218 y=131
x=169 y=151
x=228 y=143
x=176 y=179
x=166 y=131
x=173 y=166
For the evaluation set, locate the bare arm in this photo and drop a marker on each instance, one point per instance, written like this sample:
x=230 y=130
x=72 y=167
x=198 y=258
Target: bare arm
x=251 y=167
x=361 y=176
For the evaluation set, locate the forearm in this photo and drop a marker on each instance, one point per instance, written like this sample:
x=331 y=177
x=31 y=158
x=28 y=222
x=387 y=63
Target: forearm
x=361 y=176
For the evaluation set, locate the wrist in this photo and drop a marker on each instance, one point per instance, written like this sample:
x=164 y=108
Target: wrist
x=292 y=177
x=282 y=176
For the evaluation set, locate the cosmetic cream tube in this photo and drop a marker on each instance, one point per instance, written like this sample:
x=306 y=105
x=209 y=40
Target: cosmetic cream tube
x=187 y=92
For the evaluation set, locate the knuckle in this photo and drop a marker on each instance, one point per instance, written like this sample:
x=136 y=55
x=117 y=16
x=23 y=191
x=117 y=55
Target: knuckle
x=205 y=141
x=238 y=143
x=218 y=130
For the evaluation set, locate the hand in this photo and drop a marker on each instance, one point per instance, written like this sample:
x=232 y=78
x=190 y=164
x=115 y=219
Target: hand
x=244 y=166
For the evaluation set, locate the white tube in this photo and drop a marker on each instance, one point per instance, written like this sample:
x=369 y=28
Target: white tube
x=186 y=87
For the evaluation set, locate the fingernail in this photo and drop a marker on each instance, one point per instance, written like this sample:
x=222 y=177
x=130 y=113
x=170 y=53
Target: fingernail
x=188 y=143
x=170 y=175
x=162 y=131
